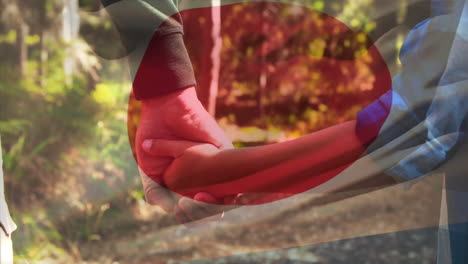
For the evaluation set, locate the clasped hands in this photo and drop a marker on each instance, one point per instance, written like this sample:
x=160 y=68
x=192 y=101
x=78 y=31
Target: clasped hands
x=176 y=116
x=181 y=146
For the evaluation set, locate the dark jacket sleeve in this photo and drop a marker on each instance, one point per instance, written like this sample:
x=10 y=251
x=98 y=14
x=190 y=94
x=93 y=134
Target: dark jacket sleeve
x=154 y=31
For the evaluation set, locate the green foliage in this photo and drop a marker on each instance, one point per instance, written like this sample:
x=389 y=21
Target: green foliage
x=70 y=174
x=38 y=236
x=9 y=37
x=52 y=127
x=14 y=126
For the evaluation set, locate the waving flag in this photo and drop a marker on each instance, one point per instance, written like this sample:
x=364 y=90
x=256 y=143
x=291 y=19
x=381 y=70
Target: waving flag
x=412 y=125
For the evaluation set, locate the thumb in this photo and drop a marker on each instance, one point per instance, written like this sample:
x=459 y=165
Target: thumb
x=156 y=194
x=167 y=148
x=253 y=198
x=206 y=198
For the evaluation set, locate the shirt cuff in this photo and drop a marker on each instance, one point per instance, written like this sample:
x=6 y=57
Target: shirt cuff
x=165 y=67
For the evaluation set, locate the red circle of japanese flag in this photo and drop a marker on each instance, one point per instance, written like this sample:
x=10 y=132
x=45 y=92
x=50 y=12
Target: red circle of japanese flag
x=301 y=51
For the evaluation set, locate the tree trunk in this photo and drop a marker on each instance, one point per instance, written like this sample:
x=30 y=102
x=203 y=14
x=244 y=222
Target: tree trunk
x=70 y=27
x=42 y=48
x=215 y=56
x=22 y=33
x=204 y=66
x=262 y=80
x=262 y=83
x=210 y=57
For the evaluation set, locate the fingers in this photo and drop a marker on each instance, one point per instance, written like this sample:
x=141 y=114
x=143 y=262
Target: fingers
x=156 y=194
x=205 y=198
x=180 y=216
x=193 y=121
x=167 y=148
x=214 y=134
x=161 y=197
x=194 y=210
x=251 y=198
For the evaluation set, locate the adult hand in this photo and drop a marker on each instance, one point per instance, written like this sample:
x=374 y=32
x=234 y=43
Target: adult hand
x=178 y=115
x=203 y=206
x=193 y=164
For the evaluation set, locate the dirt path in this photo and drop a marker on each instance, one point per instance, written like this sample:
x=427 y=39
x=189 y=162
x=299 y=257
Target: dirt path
x=350 y=223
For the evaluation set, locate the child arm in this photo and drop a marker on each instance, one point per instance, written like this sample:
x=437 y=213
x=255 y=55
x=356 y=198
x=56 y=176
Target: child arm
x=272 y=167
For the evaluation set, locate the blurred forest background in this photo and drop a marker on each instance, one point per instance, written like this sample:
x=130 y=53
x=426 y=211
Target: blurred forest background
x=269 y=72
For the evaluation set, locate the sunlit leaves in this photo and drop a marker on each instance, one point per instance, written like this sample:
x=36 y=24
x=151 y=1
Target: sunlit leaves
x=310 y=61
x=9 y=37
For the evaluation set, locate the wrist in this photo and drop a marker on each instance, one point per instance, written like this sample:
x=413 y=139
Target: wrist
x=177 y=98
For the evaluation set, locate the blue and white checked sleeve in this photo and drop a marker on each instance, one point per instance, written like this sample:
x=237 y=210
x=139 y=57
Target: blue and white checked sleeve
x=431 y=90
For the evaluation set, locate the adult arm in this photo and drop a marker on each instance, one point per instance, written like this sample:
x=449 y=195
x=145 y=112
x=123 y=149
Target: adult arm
x=163 y=79
x=151 y=32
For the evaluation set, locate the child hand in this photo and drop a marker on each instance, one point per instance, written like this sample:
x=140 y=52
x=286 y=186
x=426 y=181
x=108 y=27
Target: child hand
x=191 y=164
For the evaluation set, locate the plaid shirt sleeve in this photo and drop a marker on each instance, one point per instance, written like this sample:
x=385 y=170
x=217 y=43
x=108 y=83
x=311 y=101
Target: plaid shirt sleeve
x=431 y=94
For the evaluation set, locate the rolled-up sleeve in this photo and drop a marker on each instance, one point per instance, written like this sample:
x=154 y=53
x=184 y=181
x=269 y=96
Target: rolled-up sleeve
x=430 y=95
x=151 y=31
